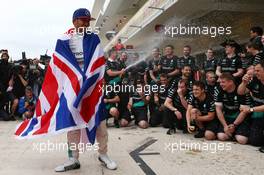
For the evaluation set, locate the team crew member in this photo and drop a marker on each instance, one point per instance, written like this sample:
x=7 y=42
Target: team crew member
x=186 y=59
x=201 y=110
x=138 y=104
x=255 y=85
x=177 y=105
x=231 y=63
x=122 y=60
x=168 y=63
x=140 y=71
x=256 y=50
x=255 y=34
x=158 y=115
x=81 y=20
x=124 y=94
x=210 y=63
x=227 y=103
x=153 y=75
x=210 y=83
x=247 y=59
x=113 y=69
x=111 y=99
x=186 y=74
x=153 y=66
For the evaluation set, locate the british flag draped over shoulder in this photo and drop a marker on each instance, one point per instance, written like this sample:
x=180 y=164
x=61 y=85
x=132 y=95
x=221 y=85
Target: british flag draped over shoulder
x=71 y=98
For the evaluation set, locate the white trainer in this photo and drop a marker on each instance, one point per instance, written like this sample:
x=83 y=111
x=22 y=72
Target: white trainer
x=70 y=164
x=108 y=163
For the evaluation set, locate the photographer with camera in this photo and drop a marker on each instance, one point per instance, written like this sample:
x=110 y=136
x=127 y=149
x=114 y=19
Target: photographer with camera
x=17 y=85
x=35 y=76
x=27 y=104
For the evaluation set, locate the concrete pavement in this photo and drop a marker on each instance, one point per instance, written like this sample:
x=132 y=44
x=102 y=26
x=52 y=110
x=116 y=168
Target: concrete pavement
x=153 y=152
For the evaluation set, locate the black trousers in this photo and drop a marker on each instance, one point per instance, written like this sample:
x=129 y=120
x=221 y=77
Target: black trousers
x=171 y=121
x=256 y=136
x=3 y=115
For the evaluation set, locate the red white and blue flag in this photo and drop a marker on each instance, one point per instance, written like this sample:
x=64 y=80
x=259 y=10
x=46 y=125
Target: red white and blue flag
x=71 y=97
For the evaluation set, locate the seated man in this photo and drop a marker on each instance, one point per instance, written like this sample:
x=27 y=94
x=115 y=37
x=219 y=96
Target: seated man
x=201 y=110
x=27 y=104
x=177 y=105
x=227 y=103
x=138 y=105
x=111 y=99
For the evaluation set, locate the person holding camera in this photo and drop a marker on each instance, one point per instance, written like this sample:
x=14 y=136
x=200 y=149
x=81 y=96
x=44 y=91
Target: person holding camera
x=35 y=77
x=17 y=84
x=27 y=104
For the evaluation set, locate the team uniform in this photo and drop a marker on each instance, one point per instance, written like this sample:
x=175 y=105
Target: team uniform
x=139 y=107
x=204 y=107
x=247 y=61
x=180 y=124
x=114 y=66
x=183 y=61
x=151 y=65
x=231 y=103
x=168 y=65
x=139 y=70
x=108 y=106
x=257 y=127
x=175 y=81
x=257 y=58
x=156 y=116
x=210 y=65
x=124 y=94
x=210 y=89
x=230 y=65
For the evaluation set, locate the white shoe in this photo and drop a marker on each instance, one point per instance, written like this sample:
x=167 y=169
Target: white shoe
x=110 y=164
x=70 y=164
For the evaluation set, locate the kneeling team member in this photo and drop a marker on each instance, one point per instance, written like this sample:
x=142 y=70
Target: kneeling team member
x=201 y=110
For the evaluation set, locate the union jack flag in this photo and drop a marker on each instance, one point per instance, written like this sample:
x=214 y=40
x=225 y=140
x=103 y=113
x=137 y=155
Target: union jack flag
x=71 y=97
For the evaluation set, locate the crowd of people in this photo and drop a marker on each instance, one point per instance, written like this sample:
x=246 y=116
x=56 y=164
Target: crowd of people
x=20 y=85
x=221 y=99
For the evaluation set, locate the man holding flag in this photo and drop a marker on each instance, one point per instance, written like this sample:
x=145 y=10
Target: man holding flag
x=71 y=97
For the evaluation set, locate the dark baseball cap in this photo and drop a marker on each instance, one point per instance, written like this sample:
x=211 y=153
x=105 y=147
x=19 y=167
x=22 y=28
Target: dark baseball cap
x=82 y=13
